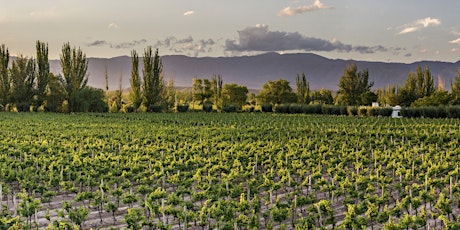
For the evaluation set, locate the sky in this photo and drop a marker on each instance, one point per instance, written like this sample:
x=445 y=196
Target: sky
x=369 y=30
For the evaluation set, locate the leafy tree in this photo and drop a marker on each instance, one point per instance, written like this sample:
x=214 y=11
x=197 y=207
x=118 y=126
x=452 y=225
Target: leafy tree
x=153 y=78
x=455 y=89
x=322 y=96
x=43 y=71
x=387 y=96
x=303 y=89
x=418 y=85
x=354 y=85
x=89 y=99
x=436 y=99
x=22 y=81
x=74 y=66
x=233 y=94
x=135 y=94
x=216 y=83
x=202 y=90
x=170 y=94
x=276 y=92
x=4 y=75
x=55 y=93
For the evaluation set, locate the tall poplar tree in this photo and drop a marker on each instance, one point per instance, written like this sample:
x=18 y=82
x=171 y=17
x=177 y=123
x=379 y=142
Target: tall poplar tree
x=135 y=94
x=5 y=81
x=43 y=71
x=216 y=83
x=303 y=89
x=74 y=67
x=153 y=79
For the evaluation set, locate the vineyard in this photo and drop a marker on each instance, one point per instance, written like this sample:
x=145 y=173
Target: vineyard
x=227 y=171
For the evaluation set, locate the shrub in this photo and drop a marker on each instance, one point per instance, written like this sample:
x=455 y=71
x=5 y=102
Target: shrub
x=373 y=111
x=295 y=108
x=332 y=110
x=267 y=108
x=155 y=109
x=229 y=108
x=362 y=111
x=23 y=107
x=385 y=112
x=207 y=107
x=312 y=109
x=182 y=108
x=453 y=111
x=282 y=108
x=352 y=110
x=130 y=109
x=249 y=108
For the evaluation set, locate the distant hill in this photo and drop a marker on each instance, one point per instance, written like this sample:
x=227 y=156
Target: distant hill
x=254 y=71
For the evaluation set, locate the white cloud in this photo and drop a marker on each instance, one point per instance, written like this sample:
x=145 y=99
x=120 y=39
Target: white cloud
x=288 y=11
x=189 y=13
x=454 y=50
x=456 y=41
x=419 y=24
x=112 y=26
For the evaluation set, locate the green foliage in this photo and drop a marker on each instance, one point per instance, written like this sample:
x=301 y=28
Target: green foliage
x=74 y=66
x=276 y=92
x=354 y=87
x=5 y=80
x=135 y=94
x=154 y=85
x=22 y=80
x=437 y=98
x=43 y=71
x=88 y=99
x=233 y=94
x=322 y=96
x=303 y=89
x=418 y=85
x=182 y=108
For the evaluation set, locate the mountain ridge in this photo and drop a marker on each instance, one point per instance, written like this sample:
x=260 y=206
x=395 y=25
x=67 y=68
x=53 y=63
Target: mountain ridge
x=254 y=71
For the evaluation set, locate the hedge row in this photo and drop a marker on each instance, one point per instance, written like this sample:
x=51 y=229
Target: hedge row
x=430 y=112
x=332 y=110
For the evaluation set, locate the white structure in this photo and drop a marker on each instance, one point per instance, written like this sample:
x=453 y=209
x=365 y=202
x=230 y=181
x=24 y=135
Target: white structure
x=396 y=112
x=375 y=104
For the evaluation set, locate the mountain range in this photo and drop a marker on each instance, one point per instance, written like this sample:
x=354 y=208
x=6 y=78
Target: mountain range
x=254 y=71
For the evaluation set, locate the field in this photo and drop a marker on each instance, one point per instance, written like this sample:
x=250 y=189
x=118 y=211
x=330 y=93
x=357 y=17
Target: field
x=227 y=171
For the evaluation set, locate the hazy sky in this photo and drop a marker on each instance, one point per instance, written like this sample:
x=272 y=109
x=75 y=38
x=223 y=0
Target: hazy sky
x=373 y=30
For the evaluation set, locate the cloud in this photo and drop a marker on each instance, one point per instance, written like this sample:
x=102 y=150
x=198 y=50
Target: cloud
x=188 y=45
x=189 y=39
x=112 y=26
x=456 y=41
x=122 y=45
x=98 y=43
x=422 y=51
x=288 y=11
x=408 y=55
x=259 y=38
x=419 y=24
x=127 y=45
x=189 y=13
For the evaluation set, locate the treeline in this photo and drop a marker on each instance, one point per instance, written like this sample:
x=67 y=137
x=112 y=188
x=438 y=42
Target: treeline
x=26 y=84
x=451 y=111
